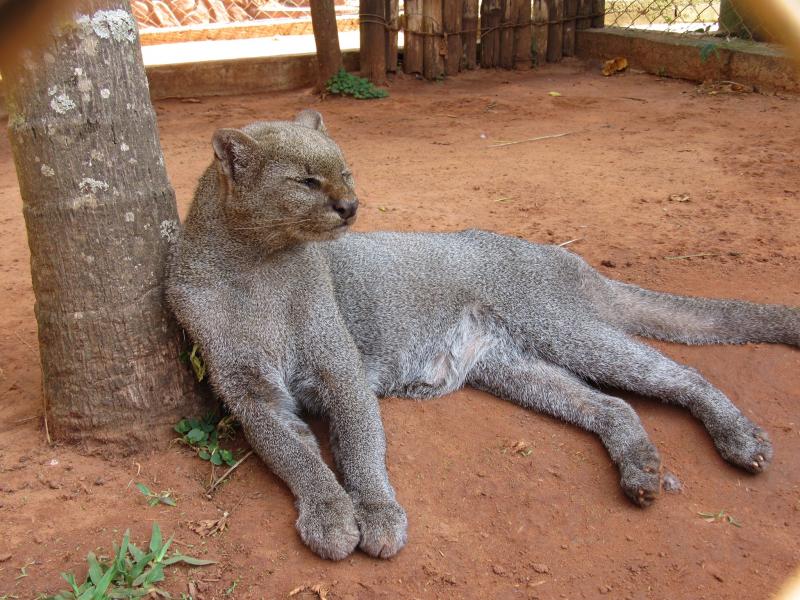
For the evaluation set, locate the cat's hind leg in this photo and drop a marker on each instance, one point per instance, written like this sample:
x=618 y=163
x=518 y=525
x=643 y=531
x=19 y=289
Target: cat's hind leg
x=601 y=353
x=544 y=387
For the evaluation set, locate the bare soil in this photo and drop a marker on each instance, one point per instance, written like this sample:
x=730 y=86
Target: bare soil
x=485 y=521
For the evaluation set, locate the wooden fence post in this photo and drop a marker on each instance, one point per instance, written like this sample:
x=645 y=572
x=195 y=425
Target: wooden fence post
x=584 y=14
x=432 y=16
x=373 y=40
x=522 y=35
x=392 y=20
x=452 y=13
x=491 y=13
x=540 y=18
x=469 y=39
x=555 y=30
x=598 y=10
x=413 y=50
x=570 y=12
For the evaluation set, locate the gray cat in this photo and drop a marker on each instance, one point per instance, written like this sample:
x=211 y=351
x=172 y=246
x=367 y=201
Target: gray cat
x=294 y=314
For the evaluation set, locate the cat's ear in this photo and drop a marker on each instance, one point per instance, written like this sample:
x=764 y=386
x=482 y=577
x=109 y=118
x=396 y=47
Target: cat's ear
x=311 y=119
x=236 y=152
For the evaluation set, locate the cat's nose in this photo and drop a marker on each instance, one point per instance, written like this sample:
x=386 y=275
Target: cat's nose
x=345 y=208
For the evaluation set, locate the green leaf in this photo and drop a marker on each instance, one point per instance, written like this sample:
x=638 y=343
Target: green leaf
x=167 y=500
x=95 y=571
x=189 y=560
x=102 y=585
x=70 y=579
x=216 y=459
x=196 y=435
x=135 y=552
x=163 y=552
x=144 y=489
x=204 y=455
x=155 y=539
x=153 y=501
x=183 y=426
x=139 y=567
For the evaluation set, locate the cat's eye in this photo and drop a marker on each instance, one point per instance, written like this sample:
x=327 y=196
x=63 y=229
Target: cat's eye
x=311 y=183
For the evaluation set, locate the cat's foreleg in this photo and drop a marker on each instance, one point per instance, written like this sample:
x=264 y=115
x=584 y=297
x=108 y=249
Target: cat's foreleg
x=359 y=445
x=327 y=517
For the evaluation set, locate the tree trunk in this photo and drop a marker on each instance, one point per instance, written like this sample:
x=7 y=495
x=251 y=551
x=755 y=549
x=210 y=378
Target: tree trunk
x=433 y=67
x=100 y=214
x=373 y=40
x=326 y=38
x=736 y=21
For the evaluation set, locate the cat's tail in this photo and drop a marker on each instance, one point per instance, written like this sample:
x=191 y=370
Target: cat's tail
x=700 y=320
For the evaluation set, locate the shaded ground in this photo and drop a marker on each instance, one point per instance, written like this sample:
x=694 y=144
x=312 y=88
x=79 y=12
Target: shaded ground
x=484 y=522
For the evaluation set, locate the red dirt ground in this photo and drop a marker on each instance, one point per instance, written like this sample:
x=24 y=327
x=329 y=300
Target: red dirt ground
x=484 y=522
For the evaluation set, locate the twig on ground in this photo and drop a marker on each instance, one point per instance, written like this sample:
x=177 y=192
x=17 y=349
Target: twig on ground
x=568 y=242
x=536 y=139
x=691 y=255
x=224 y=476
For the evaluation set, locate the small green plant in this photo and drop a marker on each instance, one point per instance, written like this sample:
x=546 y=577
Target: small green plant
x=195 y=360
x=131 y=573
x=204 y=436
x=153 y=498
x=707 y=50
x=719 y=517
x=347 y=84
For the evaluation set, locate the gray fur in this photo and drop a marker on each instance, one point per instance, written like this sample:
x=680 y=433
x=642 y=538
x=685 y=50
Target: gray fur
x=292 y=314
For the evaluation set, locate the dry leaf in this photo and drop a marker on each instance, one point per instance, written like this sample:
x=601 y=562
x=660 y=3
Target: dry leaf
x=209 y=527
x=554 y=94
x=521 y=448
x=615 y=65
x=320 y=589
x=680 y=197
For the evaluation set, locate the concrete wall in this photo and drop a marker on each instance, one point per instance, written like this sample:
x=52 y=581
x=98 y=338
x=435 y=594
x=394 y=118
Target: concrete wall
x=764 y=66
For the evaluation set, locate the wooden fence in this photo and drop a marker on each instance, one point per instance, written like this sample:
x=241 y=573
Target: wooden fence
x=442 y=36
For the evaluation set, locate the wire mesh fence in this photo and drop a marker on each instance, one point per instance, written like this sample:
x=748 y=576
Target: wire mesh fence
x=709 y=17
x=159 y=14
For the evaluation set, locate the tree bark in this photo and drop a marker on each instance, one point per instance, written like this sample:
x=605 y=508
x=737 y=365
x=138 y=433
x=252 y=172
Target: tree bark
x=373 y=40
x=735 y=20
x=326 y=38
x=100 y=214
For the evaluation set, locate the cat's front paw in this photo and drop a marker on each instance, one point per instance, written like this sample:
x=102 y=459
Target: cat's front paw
x=745 y=445
x=640 y=472
x=329 y=527
x=383 y=528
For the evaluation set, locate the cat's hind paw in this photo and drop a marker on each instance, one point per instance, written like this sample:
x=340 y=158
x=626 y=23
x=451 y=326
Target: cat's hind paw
x=746 y=445
x=383 y=528
x=329 y=527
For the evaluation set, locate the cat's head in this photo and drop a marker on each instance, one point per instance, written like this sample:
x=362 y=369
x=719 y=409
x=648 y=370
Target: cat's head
x=284 y=182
